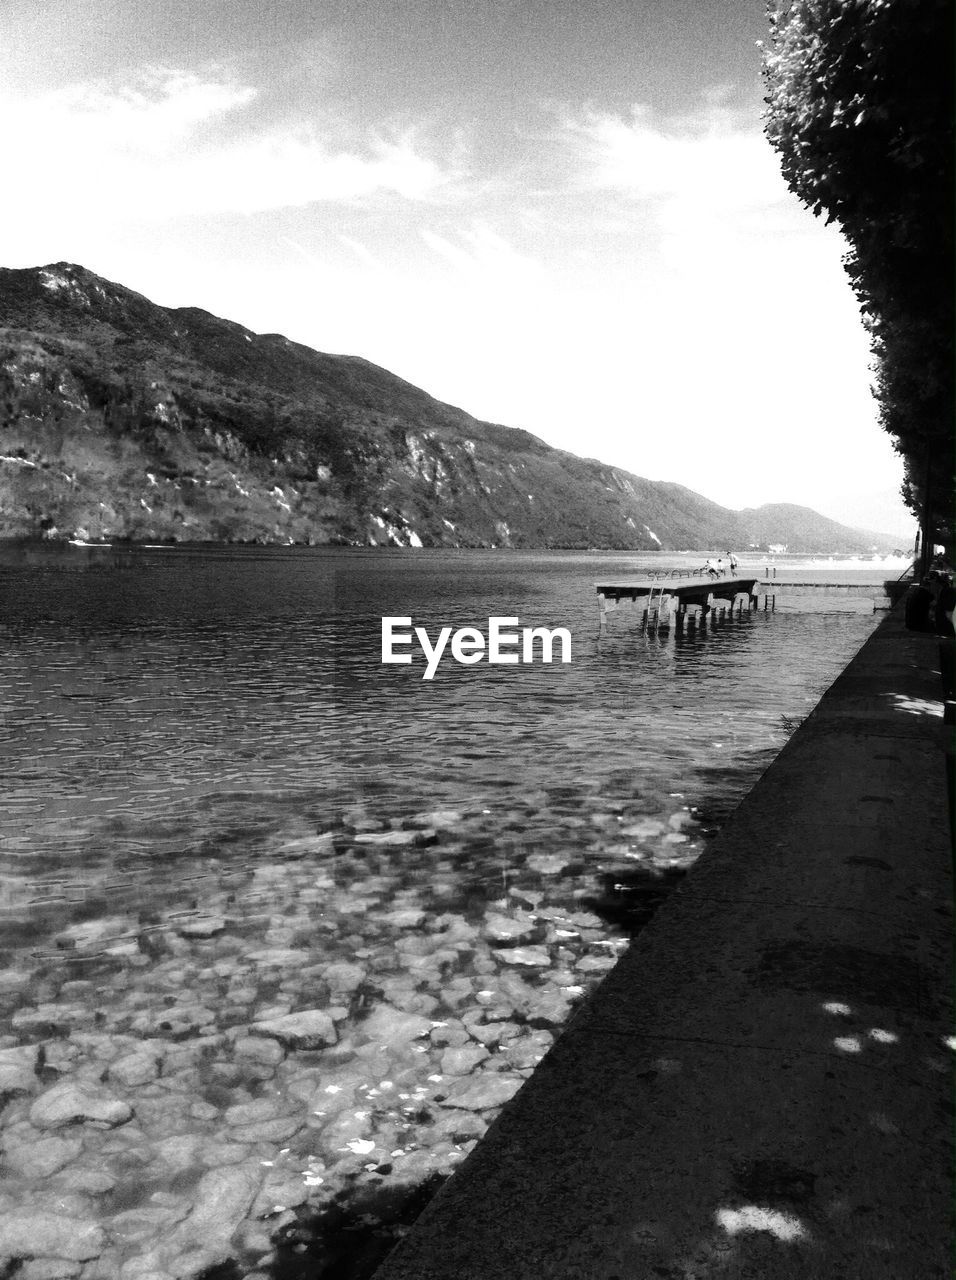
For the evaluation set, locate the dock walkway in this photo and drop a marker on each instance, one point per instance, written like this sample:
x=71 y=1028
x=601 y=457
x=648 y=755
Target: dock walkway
x=762 y=1087
x=676 y=595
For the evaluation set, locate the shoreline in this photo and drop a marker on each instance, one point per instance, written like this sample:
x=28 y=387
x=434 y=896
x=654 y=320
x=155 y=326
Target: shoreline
x=763 y=1079
x=756 y=555
x=200 y=1027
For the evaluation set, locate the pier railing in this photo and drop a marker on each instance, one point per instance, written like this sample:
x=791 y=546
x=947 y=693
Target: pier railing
x=656 y=574
x=679 y=591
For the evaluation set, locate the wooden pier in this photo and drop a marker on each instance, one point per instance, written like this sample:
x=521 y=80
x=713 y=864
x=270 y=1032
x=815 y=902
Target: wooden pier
x=678 y=596
x=692 y=597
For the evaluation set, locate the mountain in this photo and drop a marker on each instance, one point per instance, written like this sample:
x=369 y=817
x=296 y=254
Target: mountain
x=124 y=419
x=806 y=530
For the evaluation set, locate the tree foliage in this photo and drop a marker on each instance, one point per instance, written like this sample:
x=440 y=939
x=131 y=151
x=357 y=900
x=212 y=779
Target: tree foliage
x=860 y=98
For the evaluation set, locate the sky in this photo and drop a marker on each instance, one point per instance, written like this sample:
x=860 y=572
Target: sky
x=559 y=215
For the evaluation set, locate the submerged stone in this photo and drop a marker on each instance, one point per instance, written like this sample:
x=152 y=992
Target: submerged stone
x=94 y=1182
x=306 y=845
x=449 y=1034
x=491 y=1033
x=205 y=927
x=530 y=957
x=40 y=1159
x=388 y=839
x=22 y=1057
x=278 y=1130
x=253 y=1112
x=436 y=818
x=41 y=1019
x=506 y=929
x=461 y=1125
x=49 y=1269
x=16 y=1079
x=264 y=1051
x=307 y=1029
x=404 y=918
x=135 y=1069
x=551 y=1009
x=44 y=1235
x=281 y=957
x=72 y=1102
x=527 y=1051
x=180 y=1151
x=348 y=1126
x=392 y=1028
x=549 y=864
x=343 y=978
x=286 y=1191
x=217 y=1154
x=482 y=1092
x=94 y=934
x=223 y=1197
x=459 y=1061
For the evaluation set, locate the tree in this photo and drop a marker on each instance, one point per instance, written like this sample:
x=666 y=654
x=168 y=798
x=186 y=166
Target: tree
x=860 y=110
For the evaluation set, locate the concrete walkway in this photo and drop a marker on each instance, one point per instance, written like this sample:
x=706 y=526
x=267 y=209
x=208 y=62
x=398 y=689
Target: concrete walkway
x=762 y=1087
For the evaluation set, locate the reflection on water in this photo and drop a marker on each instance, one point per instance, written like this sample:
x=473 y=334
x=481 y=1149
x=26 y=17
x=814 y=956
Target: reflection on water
x=305 y=921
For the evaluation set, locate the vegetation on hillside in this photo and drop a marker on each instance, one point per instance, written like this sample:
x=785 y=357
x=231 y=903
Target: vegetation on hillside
x=122 y=419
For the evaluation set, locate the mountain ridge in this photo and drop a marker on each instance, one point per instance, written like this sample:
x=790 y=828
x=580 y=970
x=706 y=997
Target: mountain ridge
x=125 y=419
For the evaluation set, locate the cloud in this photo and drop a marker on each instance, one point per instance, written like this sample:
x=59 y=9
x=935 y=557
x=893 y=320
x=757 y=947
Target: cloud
x=702 y=196
x=361 y=251
x=176 y=144
x=640 y=287
x=713 y=163
x=484 y=256
x=161 y=110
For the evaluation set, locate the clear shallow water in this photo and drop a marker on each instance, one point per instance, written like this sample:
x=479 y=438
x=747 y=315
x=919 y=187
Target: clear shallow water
x=213 y=793
x=233 y=678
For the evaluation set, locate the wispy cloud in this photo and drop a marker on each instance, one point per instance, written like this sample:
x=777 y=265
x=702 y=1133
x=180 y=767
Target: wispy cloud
x=703 y=193
x=715 y=162
x=482 y=254
x=361 y=251
x=174 y=143
x=622 y=283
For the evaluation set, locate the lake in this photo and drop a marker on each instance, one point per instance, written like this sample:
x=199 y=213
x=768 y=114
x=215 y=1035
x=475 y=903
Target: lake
x=283 y=926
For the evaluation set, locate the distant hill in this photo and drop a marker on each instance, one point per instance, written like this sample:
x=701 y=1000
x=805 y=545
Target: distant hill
x=123 y=419
x=807 y=530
